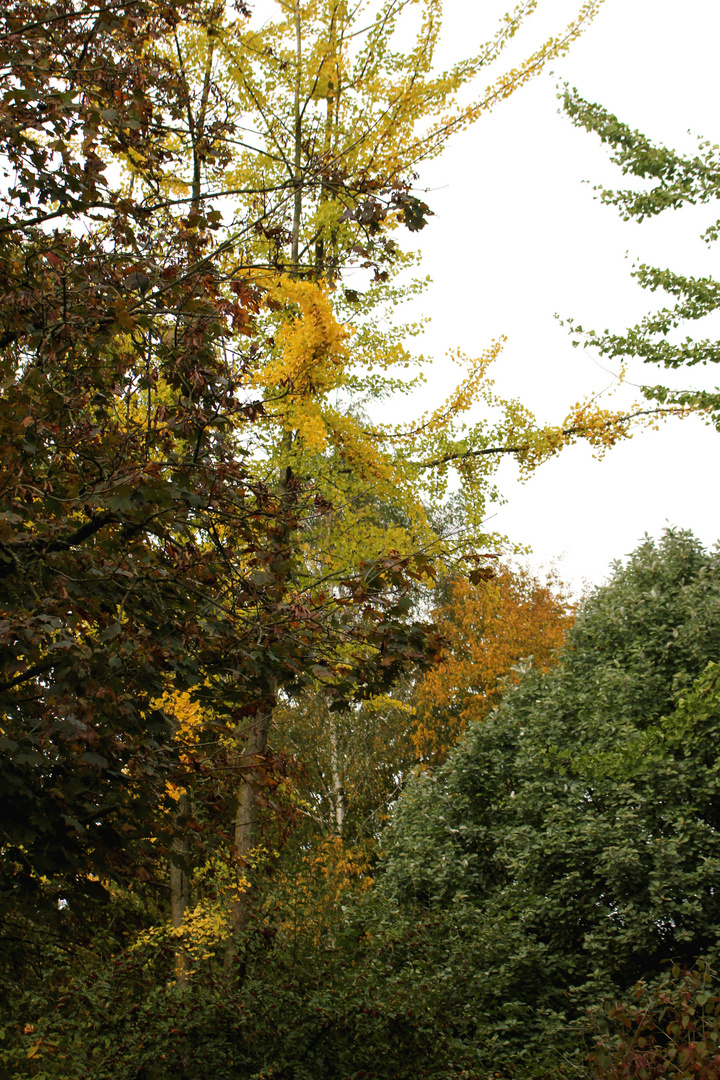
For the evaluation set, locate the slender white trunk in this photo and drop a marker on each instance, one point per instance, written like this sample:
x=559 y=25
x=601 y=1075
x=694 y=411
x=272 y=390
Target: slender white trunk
x=338 y=791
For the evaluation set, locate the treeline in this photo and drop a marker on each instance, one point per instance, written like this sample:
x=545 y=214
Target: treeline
x=543 y=904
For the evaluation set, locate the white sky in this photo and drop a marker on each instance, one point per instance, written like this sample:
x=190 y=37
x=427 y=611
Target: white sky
x=517 y=237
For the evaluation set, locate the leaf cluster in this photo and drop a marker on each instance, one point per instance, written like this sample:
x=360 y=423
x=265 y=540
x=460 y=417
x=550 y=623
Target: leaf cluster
x=676 y=180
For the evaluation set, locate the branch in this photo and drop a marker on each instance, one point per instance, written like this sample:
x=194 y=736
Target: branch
x=473 y=453
x=67 y=16
x=49 y=546
x=565 y=432
x=29 y=673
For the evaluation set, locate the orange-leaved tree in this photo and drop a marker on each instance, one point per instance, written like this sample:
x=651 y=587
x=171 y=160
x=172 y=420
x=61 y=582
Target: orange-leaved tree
x=489 y=628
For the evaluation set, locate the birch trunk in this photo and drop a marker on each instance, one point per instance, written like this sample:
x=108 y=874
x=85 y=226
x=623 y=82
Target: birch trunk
x=338 y=791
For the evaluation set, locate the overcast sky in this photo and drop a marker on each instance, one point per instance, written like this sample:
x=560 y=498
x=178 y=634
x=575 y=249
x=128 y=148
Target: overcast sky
x=517 y=236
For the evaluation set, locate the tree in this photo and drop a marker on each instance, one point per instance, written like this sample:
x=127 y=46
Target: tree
x=106 y=486
x=358 y=762
x=148 y=547
x=337 y=120
x=354 y=763
x=336 y=111
x=182 y=499
x=676 y=180
x=490 y=627
x=346 y=116
x=570 y=845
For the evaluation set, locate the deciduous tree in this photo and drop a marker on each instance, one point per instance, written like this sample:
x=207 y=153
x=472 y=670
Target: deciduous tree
x=490 y=626
x=569 y=847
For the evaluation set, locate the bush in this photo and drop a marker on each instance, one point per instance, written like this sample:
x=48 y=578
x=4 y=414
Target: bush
x=670 y=1027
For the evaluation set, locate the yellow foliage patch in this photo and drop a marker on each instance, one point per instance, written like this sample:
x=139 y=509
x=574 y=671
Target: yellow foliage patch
x=310 y=359
x=311 y=894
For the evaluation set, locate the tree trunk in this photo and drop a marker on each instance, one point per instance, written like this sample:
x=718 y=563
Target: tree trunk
x=180 y=883
x=297 y=162
x=338 y=791
x=247 y=832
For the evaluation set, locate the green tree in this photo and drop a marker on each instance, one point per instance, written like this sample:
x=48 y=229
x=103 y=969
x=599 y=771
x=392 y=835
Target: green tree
x=676 y=180
x=570 y=846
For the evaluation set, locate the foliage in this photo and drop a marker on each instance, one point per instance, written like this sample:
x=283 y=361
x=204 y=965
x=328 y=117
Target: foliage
x=670 y=1027
x=570 y=845
x=140 y=553
x=489 y=627
x=300 y=1021
x=675 y=181
x=565 y=851
x=340 y=118
x=200 y=522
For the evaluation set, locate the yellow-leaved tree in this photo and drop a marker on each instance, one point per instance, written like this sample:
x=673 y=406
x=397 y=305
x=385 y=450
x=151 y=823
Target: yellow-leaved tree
x=341 y=105
x=335 y=108
x=316 y=162
x=344 y=103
